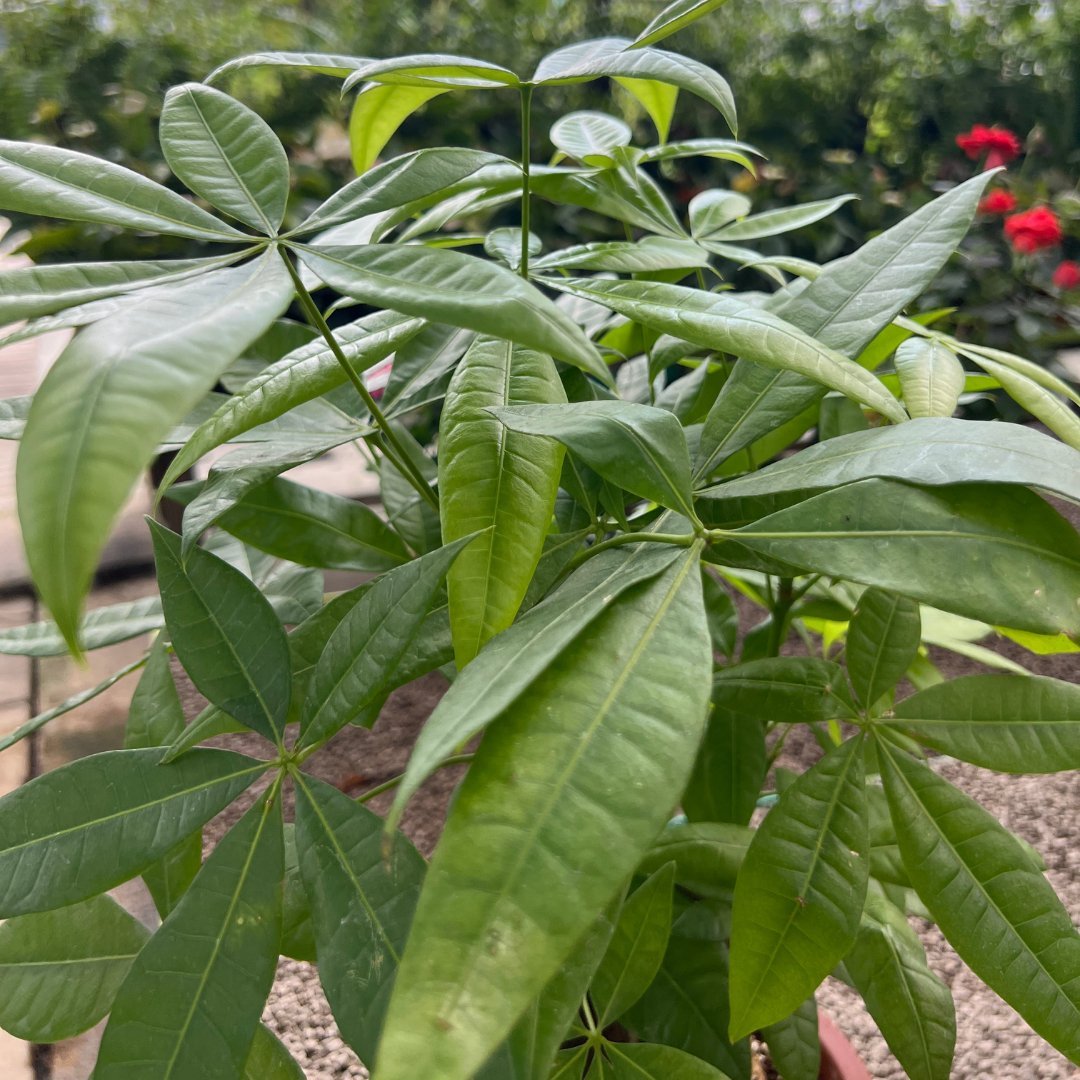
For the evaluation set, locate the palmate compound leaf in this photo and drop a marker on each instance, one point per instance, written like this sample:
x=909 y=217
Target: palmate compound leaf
x=191 y=1002
x=362 y=901
x=60 y=970
x=990 y=900
x=547 y=825
x=88 y=826
x=115 y=392
x=800 y=891
x=492 y=478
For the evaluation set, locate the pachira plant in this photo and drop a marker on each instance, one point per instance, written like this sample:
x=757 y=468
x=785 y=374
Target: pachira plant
x=603 y=900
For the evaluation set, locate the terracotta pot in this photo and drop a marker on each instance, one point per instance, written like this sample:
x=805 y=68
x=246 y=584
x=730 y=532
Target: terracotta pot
x=839 y=1061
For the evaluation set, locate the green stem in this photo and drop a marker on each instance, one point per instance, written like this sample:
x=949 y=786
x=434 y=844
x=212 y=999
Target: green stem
x=678 y=539
x=389 y=785
x=781 y=608
x=393 y=447
x=526 y=140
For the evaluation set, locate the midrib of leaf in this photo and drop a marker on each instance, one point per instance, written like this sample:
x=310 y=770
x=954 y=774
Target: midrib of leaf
x=815 y=855
x=614 y=1048
x=584 y=740
x=229 y=165
x=875 y=667
x=704 y=468
x=658 y=465
x=262 y=765
x=750 y=683
x=181 y=1034
x=20 y=965
x=343 y=860
x=642 y=926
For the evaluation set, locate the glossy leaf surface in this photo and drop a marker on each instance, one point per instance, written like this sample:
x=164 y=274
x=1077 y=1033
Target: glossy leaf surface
x=379 y=110
x=674 y=17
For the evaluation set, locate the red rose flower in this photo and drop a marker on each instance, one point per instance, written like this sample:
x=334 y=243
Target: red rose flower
x=1033 y=230
x=999 y=144
x=1067 y=275
x=998 y=202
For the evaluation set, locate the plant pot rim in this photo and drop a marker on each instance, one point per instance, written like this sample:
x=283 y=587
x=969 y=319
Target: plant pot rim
x=839 y=1059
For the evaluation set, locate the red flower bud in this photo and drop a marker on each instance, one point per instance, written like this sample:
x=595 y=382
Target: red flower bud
x=998 y=143
x=1067 y=275
x=1033 y=230
x=998 y=202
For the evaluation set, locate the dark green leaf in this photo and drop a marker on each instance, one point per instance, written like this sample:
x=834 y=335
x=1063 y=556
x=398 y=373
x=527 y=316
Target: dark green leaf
x=645 y=1061
x=729 y=770
x=707 y=856
x=882 y=640
x=784 y=690
x=794 y=1043
x=269 y=1060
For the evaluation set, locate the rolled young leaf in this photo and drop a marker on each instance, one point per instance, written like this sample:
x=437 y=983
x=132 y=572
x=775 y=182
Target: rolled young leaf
x=882 y=640
x=498 y=915
x=931 y=378
x=492 y=478
x=226 y=153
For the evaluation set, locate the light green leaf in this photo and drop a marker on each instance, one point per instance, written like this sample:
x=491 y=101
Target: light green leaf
x=32 y=291
x=360 y=657
x=910 y=1004
x=98 y=628
x=492 y=478
x=931 y=378
x=39 y=179
x=589 y=136
x=932 y=545
x=710 y=211
x=636 y=948
x=60 y=835
x=321 y=63
x=269 y=1060
x=314 y=528
x=433 y=70
x=379 y=110
x=645 y=1061
x=60 y=970
x=302 y=375
x=730 y=325
x=707 y=855
x=1011 y=723
x=226 y=153
x=649 y=254
x=927 y=452
x=362 y=901
x=191 y=1003
x=107 y=402
x=794 y=1044
x=225 y=634
x=450 y=287
x=674 y=17
x=800 y=891
x=882 y=640
x=505 y=670
x=609 y=57
x=638 y=447
x=398 y=181
x=994 y=906
x=774 y=222
x=498 y=914
x=658 y=99
x=724 y=149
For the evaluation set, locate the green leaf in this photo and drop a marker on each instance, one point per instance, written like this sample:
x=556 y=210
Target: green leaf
x=927 y=452
x=506 y=669
x=589 y=136
x=107 y=402
x=774 y=222
x=794 y=1043
x=726 y=324
x=226 y=153
x=687 y=1005
x=638 y=447
x=724 y=149
x=711 y=210
x=269 y=1060
x=48 y=180
x=449 y=287
x=994 y=906
x=398 y=181
x=361 y=656
x=645 y=1061
x=210 y=723
x=784 y=689
x=379 y=110
x=499 y=914
x=674 y=17
x=322 y=63
x=191 y=1003
x=225 y=634
x=362 y=902
x=722 y=614
x=423 y=360
x=409 y=514
x=729 y=770
x=649 y=254
x=910 y=1004
x=433 y=70
x=800 y=891
x=156 y=716
x=492 y=478
x=87 y=826
x=882 y=640
x=931 y=378
x=658 y=100
x=609 y=57
x=98 y=628
x=60 y=970
x=297 y=932
x=32 y=291
x=707 y=856
x=1011 y=723
x=302 y=375
x=636 y=948
x=851 y=300
x=314 y=528
x=931 y=545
